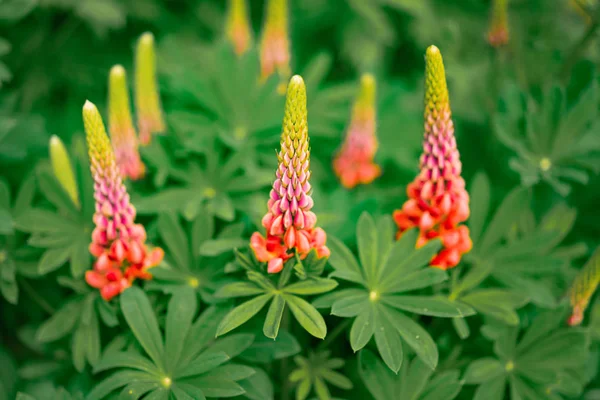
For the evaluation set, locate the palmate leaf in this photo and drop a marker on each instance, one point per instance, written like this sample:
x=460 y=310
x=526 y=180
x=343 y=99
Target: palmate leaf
x=392 y=269
x=317 y=372
x=533 y=365
x=514 y=251
x=414 y=380
x=181 y=365
x=79 y=318
x=556 y=143
x=194 y=254
x=279 y=292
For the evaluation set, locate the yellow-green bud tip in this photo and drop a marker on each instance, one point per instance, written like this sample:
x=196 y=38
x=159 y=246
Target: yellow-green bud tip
x=436 y=90
x=147 y=39
x=89 y=108
x=63 y=169
x=295 y=124
x=117 y=71
x=366 y=97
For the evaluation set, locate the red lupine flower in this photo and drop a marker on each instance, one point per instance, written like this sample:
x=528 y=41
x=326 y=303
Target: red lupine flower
x=275 y=44
x=290 y=223
x=437 y=200
x=118 y=243
x=354 y=163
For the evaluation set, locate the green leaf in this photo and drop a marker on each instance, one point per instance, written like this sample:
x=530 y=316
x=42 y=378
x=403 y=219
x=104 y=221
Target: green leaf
x=175 y=239
x=504 y=217
x=367 y=240
x=8 y=281
x=202 y=364
x=258 y=386
x=214 y=387
x=388 y=342
x=496 y=303
x=60 y=324
x=415 y=336
x=343 y=262
x=242 y=313
x=132 y=360
x=434 y=306
x=362 y=329
x=238 y=289
x=53 y=259
x=480 y=203
x=375 y=376
x=493 y=389
x=413 y=261
x=444 y=386
x=140 y=317
x=181 y=311
x=137 y=390
x=482 y=370
x=307 y=316
x=265 y=350
x=211 y=248
x=461 y=327
x=191 y=390
x=233 y=345
x=564 y=348
x=351 y=305
x=274 y=315
x=117 y=380
x=417 y=280
x=203 y=229
x=80 y=257
x=311 y=286
x=6 y=222
x=24 y=396
x=399 y=251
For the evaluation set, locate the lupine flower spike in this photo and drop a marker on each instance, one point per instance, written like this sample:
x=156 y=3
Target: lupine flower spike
x=437 y=200
x=498 y=33
x=118 y=243
x=290 y=223
x=63 y=169
x=147 y=101
x=238 y=29
x=275 y=46
x=354 y=164
x=122 y=132
x=583 y=288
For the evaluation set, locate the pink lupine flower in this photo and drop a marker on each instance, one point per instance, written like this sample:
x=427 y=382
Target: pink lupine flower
x=122 y=132
x=118 y=243
x=290 y=223
x=354 y=163
x=437 y=200
x=238 y=29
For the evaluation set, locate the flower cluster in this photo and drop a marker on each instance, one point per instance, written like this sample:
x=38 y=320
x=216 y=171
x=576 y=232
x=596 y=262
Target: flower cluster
x=354 y=164
x=275 y=45
x=238 y=29
x=122 y=132
x=147 y=101
x=290 y=224
x=498 y=32
x=118 y=243
x=583 y=288
x=437 y=200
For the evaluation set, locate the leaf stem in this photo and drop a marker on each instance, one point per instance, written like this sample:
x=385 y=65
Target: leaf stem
x=334 y=334
x=37 y=298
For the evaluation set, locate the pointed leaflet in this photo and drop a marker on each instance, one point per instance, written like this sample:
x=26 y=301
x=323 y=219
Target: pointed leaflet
x=181 y=311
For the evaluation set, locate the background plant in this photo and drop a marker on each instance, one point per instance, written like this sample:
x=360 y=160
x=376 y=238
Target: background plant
x=373 y=321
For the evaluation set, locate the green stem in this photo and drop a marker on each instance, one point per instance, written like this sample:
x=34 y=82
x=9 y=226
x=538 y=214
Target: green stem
x=37 y=298
x=334 y=334
x=583 y=43
x=285 y=387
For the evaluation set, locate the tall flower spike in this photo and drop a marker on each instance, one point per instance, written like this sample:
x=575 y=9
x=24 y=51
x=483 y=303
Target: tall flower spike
x=238 y=29
x=63 y=169
x=290 y=223
x=118 y=243
x=275 y=46
x=354 y=164
x=583 y=288
x=122 y=132
x=437 y=200
x=498 y=33
x=147 y=101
